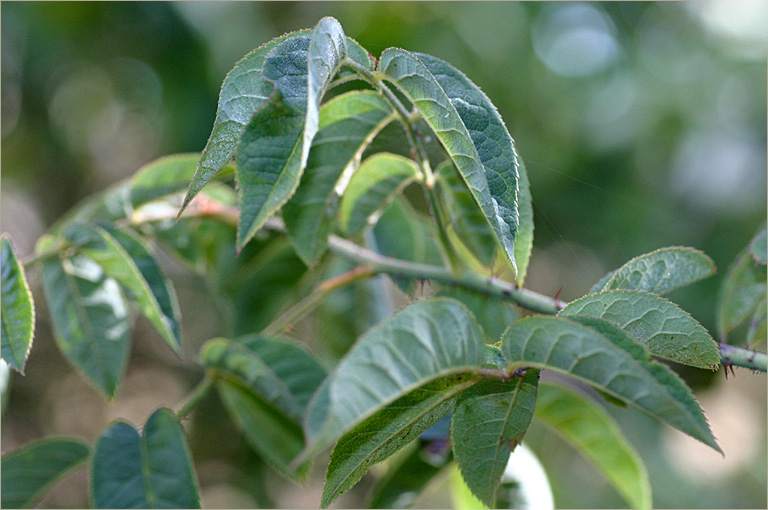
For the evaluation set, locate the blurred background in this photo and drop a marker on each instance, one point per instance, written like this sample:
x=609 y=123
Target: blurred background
x=642 y=125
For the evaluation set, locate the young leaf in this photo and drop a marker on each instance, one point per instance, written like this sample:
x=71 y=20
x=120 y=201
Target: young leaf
x=18 y=309
x=524 y=239
x=489 y=421
x=274 y=148
x=592 y=431
x=30 y=471
x=424 y=341
x=743 y=288
x=128 y=260
x=377 y=180
x=90 y=319
x=387 y=431
x=470 y=129
x=347 y=124
x=608 y=359
x=759 y=248
x=662 y=270
x=660 y=325
x=152 y=470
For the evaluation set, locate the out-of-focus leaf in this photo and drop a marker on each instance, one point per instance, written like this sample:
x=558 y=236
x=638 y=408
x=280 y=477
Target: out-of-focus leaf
x=660 y=325
x=151 y=470
x=110 y=205
x=470 y=129
x=387 y=431
x=461 y=494
x=374 y=184
x=524 y=239
x=662 y=270
x=494 y=315
x=592 y=431
x=757 y=326
x=489 y=421
x=423 y=342
x=347 y=124
x=743 y=288
x=18 y=309
x=274 y=148
x=5 y=383
x=90 y=319
x=600 y=284
x=30 y=471
x=125 y=258
x=604 y=356
x=759 y=248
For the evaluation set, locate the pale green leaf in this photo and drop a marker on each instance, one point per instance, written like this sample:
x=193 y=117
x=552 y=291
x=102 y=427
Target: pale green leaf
x=18 y=309
x=757 y=326
x=125 y=258
x=274 y=148
x=347 y=124
x=524 y=239
x=662 y=270
x=387 y=431
x=604 y=356
x=759 y=248
x=151 y=470
x=470 y=129
x=30 y=471
x=424 y=341
x=592 y=431
x=90 y=319
x=461 y=494
x=743 y=288
x=374 y=184
x=660 y=325
x=489 y=421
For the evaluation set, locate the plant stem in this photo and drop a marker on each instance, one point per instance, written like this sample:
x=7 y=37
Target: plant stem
x=736 y=356
x=195 y=397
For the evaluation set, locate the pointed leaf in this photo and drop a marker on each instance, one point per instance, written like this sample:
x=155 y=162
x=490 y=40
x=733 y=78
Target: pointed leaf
x=18 y=309
x=374 y=184
x=662 y=270
x=759 y=248
x=152 y=470
x=743 y=288
x=90 y=319
x=592 y=431
x=387 y=431
x=347 y=124
x=608 y=359
x=489 y=421
x=600 y=284
x=30 y=471
x=470 y=129
x=128 y=260
x=274 y=148
x=660 y=325
x=424 y=341
x=524 y=239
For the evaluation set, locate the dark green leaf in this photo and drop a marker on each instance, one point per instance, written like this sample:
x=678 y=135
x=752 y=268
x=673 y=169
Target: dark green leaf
x=743 y=288
x=489 y=421
x=90 y=319
x=660 y=325
x=30 y=471
x=759 y=248
x=592 y=431
x=605 y=357
x=494 y=315
x=152 y=470
x=18 y=309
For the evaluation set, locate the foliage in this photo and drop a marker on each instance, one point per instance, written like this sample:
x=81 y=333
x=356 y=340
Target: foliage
x=305 y=167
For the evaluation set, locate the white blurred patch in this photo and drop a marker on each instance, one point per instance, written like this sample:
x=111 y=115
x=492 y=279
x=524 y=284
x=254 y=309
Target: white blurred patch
x=742 y=25
x=534 y=492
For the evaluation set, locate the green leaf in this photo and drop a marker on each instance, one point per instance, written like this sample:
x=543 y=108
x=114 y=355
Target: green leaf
x=743 y=288
x=489 y=421
x=657 y=323
x=30 y=471
x=347 y=125
x=524 y=239
x=461 y=495
x=470 y=129
x=494 y=315
x=387 y=431
x=600 y=284
x=662 y=270
x=111 y=205
x=274 y=148
x=152 y=470
x=423 y=342
x=759 y=248
x=757 y=326
x=125 y=258
x=90 y=319
x=374 y=184
x=605 y=357
x=592 y=431
x=18 y=309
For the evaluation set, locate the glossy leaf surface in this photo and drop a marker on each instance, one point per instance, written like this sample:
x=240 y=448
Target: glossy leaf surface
x=489 y=421
x=743 y=288
x=30 y=471
x=660 y=325
x=18 y=309
x=592 y=431
x=604 y=356
x=151 y=470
